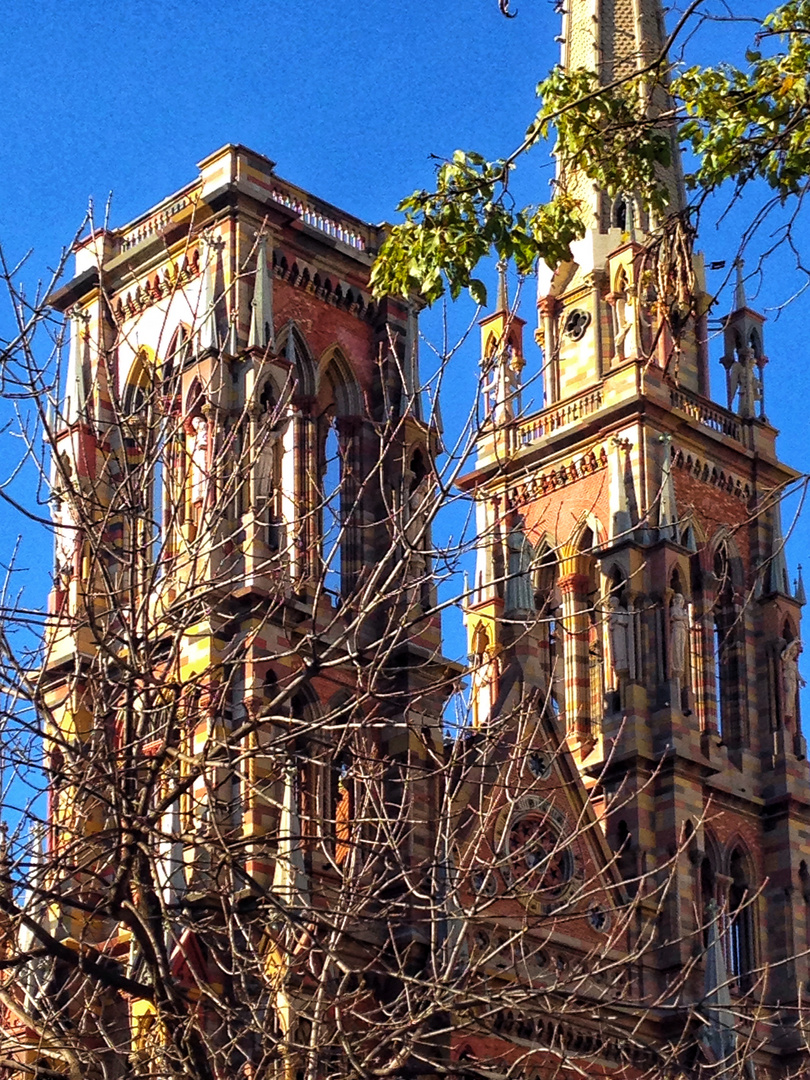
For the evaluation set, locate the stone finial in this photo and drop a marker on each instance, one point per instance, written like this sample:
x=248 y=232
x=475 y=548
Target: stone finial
x=740 y=299
x=502 y=303
x=719 y=1034
x=799 y=595
x=778 y=580
x=620 y=496
x=209 y=290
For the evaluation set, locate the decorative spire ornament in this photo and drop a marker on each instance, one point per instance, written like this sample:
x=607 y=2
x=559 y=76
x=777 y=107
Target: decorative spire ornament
x=209 y=329
x=261 y=318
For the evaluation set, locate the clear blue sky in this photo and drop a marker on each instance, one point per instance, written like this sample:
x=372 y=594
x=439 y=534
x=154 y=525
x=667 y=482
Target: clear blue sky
x=349 y=100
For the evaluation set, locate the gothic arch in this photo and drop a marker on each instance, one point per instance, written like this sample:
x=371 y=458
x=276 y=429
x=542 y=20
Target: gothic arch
x=576 y=553
x=727 y=632
x=621 y=282
x=335 y=370
x=195 y=399
x=176 y=355
x=297 y=351
x=138 y=382
x=546 y=567
x=741 y=947
x=724 y=547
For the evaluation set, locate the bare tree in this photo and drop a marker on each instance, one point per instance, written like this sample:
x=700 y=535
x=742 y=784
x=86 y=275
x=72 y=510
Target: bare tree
x=255 y=827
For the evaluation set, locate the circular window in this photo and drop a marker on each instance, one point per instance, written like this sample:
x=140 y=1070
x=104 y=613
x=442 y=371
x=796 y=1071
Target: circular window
x=539 y=766
x=483 y=882
x=537 y=855
x=598 y=918
x=576 y=323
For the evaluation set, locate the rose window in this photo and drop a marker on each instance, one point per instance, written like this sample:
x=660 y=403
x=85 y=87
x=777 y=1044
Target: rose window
x=538 y=857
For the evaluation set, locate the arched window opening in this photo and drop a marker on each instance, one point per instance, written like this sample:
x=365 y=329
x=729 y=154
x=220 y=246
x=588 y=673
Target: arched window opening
x=726 y=674
x=618 y=585
x=417 y=535
x=336 y=543
x=135 y=399
x=755 y=344
x=150 y=458
x=237 y=716
x=620 y=214
x=548 y=602
x=741 y=952
x=302 y=768
x=332 y=509
x=176 y=358
x=267 y=484
x=592 y=710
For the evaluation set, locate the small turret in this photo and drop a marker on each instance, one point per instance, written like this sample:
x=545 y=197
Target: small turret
x=502 y=358
x=744 y=358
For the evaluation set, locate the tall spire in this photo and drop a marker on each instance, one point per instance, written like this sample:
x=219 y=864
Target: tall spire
x=615 y=39
x=719 y=1033
x=502 y=304
x=778 y=579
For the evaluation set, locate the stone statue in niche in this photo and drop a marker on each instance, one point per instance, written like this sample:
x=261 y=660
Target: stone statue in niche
x=484 y=685
x=519 y=589
x=791 y=679
x=199 y=460
x=620 y=634
x=266 y=466
x=501 y=391
x=678 y=635
x=624 y=318
x=742 y=380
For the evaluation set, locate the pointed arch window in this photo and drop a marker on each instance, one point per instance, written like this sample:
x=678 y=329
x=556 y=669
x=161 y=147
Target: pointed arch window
x=267 y=467
x=417 y=558
x=337 y=543
x=726 y=672
x=548 y=601
x=149 y=460
x=585 y=674
x=332 y=509
x=741 y=942
x=176 y=358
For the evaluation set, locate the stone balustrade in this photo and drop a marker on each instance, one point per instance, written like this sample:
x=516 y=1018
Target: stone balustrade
x=558 y=416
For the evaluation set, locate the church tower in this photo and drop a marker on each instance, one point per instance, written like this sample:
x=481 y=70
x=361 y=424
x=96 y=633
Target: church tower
x=660 y=631
x=243 y=623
